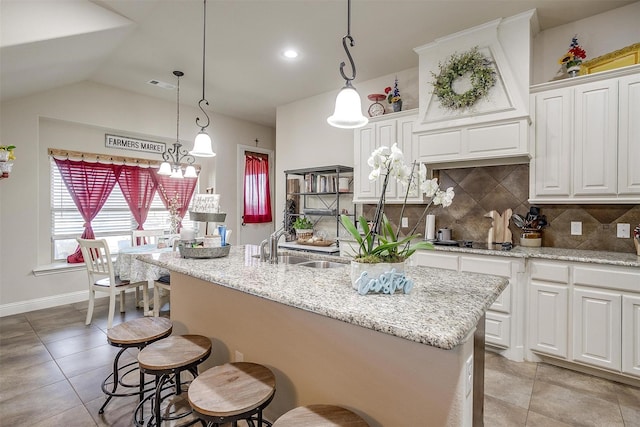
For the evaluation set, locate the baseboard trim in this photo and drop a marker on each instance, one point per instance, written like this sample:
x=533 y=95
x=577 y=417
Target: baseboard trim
x=40 y=303
x=47 y=302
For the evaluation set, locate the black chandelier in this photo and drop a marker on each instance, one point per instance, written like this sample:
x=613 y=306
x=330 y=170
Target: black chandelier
x=173 y=157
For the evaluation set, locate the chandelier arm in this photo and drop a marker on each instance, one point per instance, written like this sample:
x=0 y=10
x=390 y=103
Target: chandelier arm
x=184 y=156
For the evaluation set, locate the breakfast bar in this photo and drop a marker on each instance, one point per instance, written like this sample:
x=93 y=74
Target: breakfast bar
x=402 y=359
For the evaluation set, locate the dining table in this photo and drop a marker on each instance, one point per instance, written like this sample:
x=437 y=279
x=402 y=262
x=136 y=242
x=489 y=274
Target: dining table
x=128 y=267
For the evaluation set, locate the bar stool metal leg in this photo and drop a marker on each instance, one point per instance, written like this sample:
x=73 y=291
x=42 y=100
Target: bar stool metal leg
x=166 y=360
x=135 y=334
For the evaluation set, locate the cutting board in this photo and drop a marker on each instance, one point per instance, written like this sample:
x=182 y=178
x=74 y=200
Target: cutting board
x=499 y=231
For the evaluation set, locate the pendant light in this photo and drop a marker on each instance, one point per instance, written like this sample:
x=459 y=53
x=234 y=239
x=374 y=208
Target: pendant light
x=348 y=110
x=202 y=143
x=174 y=156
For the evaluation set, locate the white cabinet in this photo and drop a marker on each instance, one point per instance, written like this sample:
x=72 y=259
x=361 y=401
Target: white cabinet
x=631 y=335
x=548 y=318
x=550 y=171
x=629 y=135
x=504 y=323
x=597 y=323
x=383 y=131
x=585 y=136
x=586 y=313
x=549 y=308
x=595 y=140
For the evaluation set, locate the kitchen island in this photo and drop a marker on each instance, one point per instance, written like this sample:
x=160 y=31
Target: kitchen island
x=397 y=360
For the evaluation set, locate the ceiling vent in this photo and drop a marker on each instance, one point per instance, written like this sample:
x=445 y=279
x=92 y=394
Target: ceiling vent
x=163 y=85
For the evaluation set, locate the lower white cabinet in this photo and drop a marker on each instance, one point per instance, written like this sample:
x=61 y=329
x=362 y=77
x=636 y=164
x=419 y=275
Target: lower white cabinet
x=631 y=335
x=548 y=312
x=585 y=313
x=597 y=328
x=504 y=327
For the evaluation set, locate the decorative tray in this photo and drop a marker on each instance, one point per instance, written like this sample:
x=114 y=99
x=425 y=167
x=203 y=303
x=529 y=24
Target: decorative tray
x=315 y=243
x=207 y=216
x=202 y=252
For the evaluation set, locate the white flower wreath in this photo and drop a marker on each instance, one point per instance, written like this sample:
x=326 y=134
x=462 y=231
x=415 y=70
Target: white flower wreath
x=482 y=76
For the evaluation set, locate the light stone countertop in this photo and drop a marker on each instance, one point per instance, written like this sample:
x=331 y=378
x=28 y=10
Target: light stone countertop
x=575 y=255
x=441 y=310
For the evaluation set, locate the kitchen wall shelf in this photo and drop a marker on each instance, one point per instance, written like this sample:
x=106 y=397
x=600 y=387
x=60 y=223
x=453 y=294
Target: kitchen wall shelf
x=319 y=193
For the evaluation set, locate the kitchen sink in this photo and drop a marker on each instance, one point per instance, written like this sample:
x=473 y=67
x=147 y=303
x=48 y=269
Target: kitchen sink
x=321 y=264
x=288 y=259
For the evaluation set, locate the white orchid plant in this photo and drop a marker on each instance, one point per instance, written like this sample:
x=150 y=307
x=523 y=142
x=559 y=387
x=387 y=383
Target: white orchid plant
x=380 y=243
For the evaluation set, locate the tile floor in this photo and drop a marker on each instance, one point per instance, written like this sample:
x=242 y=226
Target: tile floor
x=52 y=365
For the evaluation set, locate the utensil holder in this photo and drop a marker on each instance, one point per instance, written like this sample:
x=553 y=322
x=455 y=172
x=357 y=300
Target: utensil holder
x=531 y=238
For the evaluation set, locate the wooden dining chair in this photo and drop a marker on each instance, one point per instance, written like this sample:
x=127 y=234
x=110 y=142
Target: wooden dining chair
x=102 y=278
x=143 y=237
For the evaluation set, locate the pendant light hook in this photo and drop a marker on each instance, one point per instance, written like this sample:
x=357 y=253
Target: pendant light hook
x=203 y=101
x=346 y=49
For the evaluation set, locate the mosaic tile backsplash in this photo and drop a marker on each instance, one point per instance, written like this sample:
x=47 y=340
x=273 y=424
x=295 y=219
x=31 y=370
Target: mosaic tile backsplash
x=481 y=190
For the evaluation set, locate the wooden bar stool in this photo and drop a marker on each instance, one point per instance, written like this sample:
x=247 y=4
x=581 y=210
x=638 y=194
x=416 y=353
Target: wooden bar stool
x=166 y=360
x=320 y=416
x=137 y=333
x=232 y=392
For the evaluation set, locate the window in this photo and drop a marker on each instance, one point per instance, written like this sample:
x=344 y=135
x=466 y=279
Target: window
x=114 y=222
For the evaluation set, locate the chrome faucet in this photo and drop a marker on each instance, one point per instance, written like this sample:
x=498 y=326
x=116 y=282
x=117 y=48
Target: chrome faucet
x=263 y=250
x=273 y=245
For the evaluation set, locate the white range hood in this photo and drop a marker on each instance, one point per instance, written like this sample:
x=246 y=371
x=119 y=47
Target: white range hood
x=495 y=130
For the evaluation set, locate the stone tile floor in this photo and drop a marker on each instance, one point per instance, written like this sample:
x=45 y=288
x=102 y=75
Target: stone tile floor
x=52 y=365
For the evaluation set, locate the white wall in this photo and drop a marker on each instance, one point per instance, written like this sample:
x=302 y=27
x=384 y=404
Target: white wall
x=76 y=117
x=598 y=35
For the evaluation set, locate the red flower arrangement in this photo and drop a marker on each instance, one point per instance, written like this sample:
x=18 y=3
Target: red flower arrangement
x=574 y=55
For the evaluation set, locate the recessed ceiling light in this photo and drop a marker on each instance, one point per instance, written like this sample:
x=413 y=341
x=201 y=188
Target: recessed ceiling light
x=290 y=53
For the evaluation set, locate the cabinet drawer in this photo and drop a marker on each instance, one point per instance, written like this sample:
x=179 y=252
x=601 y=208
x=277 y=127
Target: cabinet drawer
x=498 y=329
x=549 y=272
x=485 y=265
x=607 y=278
x=437 y=260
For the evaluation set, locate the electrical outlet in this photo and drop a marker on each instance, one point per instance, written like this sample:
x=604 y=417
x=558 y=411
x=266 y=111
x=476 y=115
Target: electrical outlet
x=576 y=228
x=239 y=357
x=405 y=222
x=624 y=231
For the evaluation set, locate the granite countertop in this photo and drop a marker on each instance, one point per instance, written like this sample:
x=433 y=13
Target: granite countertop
x=441 y=310
x=575 y=255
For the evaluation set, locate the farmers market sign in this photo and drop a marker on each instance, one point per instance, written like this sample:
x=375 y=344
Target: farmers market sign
x=132 y=144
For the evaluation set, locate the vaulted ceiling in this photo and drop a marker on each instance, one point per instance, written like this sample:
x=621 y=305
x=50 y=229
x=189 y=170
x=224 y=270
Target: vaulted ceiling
x=126 y=43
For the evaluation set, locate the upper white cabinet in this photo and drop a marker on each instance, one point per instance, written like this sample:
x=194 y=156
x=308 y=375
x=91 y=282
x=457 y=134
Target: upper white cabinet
x=586 y=139
x=629 y=135
x=383 y=131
